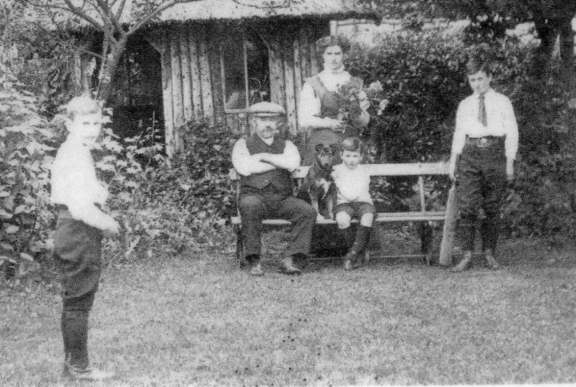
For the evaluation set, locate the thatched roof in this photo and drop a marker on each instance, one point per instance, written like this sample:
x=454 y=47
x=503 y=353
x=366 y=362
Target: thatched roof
x=211 y=10
x=227 y=10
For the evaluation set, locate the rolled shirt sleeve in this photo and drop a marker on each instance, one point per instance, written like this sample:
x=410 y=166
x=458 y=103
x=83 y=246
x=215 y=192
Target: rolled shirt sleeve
x=292 y=156
x=462 y=123
x=246 y=165
x=309 y=107
x=511 y=128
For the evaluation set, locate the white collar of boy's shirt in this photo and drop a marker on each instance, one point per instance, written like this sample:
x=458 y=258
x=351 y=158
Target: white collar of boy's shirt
x=488 y=92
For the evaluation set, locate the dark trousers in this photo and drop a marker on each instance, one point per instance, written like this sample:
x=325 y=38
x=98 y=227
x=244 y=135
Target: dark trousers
x=78 y=254
x=480 y=185
x=254 y=207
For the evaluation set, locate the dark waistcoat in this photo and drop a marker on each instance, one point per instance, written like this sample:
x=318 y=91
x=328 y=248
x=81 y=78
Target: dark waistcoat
x=278 y=181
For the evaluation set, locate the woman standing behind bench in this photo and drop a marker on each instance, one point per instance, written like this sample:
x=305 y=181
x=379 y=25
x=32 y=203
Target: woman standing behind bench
x=482 y=159
x=320 y=113
x=320 y=109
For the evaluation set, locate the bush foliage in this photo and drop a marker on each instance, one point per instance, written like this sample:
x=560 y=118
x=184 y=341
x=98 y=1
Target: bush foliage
x=173 y=206
x=26 y=151
x=424 y=79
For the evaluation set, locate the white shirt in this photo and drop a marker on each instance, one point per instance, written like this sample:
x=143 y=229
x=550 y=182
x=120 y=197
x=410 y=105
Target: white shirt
x=353 y=185
x=310 y=105
x=501 y=121
x=245 y=164
x=73 y=179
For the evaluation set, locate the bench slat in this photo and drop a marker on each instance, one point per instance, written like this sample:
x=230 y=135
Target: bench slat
x=381 y=217
x=388 y=169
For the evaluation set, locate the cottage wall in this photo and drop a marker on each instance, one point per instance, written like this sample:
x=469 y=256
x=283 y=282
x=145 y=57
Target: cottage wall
x=192 y=78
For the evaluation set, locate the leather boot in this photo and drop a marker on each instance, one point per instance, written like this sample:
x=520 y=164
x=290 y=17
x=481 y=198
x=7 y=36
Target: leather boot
x=255 y=265
x=287 y=266
x=492 y=262
x=353 y=258
x=464 y=264
x=74 y=325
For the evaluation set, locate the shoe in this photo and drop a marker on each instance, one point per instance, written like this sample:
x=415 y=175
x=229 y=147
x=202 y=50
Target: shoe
x=492 y=262
x=347 y=264
x=300 y=260
x=465 y=263
x=287 y=267
x=351 y=261
x=256 y=269
x=88 y=373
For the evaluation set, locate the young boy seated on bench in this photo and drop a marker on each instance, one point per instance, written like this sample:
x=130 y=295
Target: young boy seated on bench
x=352 y=181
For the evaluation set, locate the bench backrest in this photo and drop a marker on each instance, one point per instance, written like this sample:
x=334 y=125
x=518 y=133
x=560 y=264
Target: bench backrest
x=387 y=169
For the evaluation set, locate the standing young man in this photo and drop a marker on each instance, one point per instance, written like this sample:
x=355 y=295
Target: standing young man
x=265 y=162
x=78 y=238
x=482 y=160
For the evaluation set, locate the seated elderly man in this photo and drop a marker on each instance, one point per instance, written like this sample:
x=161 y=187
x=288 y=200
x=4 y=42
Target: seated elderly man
x=264 y=162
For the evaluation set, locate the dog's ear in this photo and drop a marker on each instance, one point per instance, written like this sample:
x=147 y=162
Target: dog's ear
x=318 y=147
x=334 y=148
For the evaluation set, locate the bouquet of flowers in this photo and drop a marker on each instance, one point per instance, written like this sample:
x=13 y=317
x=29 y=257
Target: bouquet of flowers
x=354 y=99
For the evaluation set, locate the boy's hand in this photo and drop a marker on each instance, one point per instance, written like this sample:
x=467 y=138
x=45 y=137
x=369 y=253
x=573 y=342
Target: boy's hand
x=112 y=228
x=509 y=170
x=452 y=170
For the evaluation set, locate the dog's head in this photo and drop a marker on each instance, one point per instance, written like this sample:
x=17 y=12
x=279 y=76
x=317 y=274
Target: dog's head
x=325 y=155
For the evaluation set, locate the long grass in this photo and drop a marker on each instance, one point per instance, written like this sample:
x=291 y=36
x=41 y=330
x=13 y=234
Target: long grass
x=199 y=320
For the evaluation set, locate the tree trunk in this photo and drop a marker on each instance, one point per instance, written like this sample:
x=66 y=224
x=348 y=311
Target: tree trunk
x=547 y=33
x=109 y=68
x=567 y=53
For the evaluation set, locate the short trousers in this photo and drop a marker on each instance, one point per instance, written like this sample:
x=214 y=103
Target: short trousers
x=78 y=254
x=355 y=208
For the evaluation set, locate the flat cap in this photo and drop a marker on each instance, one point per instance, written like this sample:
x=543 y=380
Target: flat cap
x=266 y=109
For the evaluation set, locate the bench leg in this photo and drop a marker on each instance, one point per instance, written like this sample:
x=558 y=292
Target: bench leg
x=240 y=259
x=448 y=233
x=366 y=256
x=426 y=237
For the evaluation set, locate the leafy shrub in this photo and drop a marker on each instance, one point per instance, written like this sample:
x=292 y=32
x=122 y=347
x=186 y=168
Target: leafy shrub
x=424 y=79
x=26 y=151
x=541 y=201
x=170 y=206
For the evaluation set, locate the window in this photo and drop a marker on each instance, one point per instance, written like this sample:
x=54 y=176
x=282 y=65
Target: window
x=245 y=71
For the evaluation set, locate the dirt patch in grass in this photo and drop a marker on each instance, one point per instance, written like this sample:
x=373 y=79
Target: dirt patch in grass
x=199 y=320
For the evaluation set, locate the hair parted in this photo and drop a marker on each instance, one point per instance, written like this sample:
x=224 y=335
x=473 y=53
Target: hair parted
x=80 y=105
x=352 y=144
x=332 y=40
x=475 y=65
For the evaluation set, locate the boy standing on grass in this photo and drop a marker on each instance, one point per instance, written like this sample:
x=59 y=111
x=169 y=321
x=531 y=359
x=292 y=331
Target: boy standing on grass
x=482 y=159
x=78 y=237
x=352 y=181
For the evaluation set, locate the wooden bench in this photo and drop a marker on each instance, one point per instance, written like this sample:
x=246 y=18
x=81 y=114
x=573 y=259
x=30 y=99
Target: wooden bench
x=421 y=170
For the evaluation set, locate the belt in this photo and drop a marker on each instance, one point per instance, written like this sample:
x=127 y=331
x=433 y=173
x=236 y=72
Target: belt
x=484 y=142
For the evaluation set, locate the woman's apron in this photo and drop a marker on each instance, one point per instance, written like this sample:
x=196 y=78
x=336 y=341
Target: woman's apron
x=330 y=103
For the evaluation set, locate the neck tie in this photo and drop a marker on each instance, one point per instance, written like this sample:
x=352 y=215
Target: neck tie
x=482 y=110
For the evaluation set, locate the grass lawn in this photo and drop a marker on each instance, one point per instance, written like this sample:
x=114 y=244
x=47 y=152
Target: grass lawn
x=198 y=320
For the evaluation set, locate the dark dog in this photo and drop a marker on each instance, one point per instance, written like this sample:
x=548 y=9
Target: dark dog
x=318 y=184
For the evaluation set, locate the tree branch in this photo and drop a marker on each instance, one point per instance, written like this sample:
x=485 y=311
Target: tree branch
x=120 y=9
x=80 y=13
x=109 y=16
